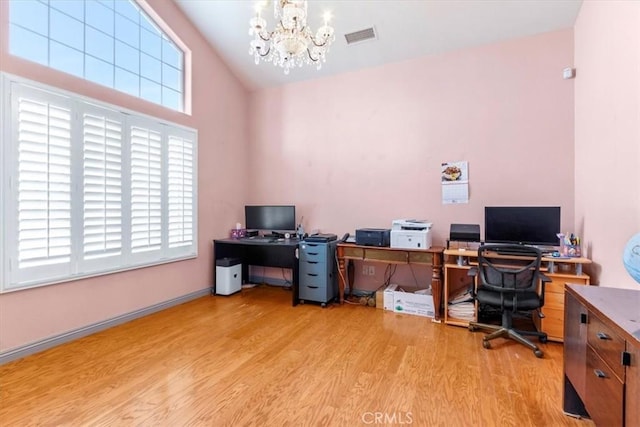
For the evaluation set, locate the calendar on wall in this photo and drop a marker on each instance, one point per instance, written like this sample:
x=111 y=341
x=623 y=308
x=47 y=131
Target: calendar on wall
x=455 y=182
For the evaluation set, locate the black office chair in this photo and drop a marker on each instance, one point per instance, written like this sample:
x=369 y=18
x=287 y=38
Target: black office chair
x=508 y=278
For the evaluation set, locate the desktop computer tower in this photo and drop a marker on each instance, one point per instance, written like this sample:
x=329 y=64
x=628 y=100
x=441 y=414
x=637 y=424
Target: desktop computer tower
x=228 y=276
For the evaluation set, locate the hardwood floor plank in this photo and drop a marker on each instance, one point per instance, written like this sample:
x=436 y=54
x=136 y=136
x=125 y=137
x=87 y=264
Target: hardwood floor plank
x=252 y=359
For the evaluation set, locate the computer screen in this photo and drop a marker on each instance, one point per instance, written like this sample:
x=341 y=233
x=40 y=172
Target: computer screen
x=531 y=225
x=273 y=218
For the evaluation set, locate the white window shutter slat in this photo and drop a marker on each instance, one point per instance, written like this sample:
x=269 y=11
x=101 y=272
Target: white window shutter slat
x=102 y=184
x=180 y=191
x=146 y=189
x=44 y=182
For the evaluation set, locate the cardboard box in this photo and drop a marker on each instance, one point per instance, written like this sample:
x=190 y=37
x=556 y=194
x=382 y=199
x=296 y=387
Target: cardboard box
x=388 y=297
x=419 y=303
x=380 y=299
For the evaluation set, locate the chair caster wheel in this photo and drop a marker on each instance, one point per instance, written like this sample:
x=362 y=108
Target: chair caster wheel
x=486 y=344
x=472 y=328
x=323 y=305
x=538 y=353
x=543 y=340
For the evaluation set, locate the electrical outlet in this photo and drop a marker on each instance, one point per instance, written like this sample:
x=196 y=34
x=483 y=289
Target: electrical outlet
x=372 y=270
x=365 y=270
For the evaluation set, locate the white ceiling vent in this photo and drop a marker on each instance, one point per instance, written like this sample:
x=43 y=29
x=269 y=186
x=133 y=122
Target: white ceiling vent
x=361 y=36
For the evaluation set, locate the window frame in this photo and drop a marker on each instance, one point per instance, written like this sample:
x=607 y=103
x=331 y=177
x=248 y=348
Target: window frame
x=79 y=267
x=169 y=95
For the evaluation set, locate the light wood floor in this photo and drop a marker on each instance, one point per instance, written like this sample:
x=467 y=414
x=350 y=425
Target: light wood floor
x=252 y=359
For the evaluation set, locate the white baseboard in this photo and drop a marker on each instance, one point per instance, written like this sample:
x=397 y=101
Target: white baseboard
x=38 y=346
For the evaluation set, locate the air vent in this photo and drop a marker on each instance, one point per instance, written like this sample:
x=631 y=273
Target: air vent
x=360 y=36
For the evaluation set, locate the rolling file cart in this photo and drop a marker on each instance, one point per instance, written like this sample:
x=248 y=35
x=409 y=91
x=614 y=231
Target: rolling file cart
x=318 y=271
x=228 y=276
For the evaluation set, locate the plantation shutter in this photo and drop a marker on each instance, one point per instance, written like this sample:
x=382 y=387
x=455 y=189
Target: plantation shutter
x=87 y=188
x=180 y=189
x=102 y=184
x=146 y=189
x=43 y=143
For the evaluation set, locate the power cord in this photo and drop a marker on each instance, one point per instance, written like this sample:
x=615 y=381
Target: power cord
x=287 y=283
x=413 y=273
x=389 y=271
x=344 y=279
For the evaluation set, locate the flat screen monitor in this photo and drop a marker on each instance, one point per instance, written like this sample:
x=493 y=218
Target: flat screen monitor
x=273 y=218
x=532 y=225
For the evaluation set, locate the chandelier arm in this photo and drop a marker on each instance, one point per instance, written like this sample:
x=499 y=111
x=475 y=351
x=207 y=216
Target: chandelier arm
x=265 y=54
x=316 y=44
x=268 y=38
x=311 y=56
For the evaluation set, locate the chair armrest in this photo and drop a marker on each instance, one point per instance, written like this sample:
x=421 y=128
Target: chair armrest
x=543 y=279
x=473 y=272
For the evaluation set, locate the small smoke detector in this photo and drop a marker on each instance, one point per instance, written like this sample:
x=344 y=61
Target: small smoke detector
x=568 y=73
x=361 y=36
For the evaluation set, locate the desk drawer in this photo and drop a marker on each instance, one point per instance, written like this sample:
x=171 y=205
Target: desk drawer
x=371 y=253
x=313 y=252
x=553 y=301
x=313 y=268
x=552 y=323
x=604 y=392
x=421 y=257
x=352 y=252
x=606 y=344
x=557 y=282
x=317 y=287
x=386 y=255
x=313 y=292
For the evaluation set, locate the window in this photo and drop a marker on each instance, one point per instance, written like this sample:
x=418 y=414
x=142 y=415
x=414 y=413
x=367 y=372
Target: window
x=110 y=42
x=90 y=189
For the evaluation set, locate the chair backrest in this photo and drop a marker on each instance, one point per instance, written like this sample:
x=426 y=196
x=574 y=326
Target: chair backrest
x=509 y=268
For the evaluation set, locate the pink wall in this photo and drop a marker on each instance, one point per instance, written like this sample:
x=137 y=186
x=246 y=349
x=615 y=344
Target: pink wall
x=607 y=126
x=219 y=113
x=361 y=149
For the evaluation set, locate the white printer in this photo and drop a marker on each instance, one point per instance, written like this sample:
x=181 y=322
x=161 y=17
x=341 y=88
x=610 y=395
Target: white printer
x=410 y=234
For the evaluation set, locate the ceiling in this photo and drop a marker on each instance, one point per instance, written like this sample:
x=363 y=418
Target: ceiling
x=405 y=29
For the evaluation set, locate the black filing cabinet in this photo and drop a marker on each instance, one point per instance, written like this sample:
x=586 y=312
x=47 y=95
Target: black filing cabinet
x=318 y=272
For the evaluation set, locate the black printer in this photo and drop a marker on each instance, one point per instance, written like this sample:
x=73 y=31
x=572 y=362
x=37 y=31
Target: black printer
x=464 y=232
x=373 y=236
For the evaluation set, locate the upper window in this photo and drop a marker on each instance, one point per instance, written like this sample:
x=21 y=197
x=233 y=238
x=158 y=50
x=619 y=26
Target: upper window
x=110 y=42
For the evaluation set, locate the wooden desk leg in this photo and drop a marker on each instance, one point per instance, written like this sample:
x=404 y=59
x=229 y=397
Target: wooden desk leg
x=436 y=284
x=351 y=275
x=342 y=277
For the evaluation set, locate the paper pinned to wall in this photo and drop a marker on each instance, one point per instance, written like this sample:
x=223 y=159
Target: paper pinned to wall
x=455 y=182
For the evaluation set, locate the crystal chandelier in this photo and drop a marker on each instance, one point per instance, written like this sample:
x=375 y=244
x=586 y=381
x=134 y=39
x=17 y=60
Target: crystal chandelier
x=291 y=43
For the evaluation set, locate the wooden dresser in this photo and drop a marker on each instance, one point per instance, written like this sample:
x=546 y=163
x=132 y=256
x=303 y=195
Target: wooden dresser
x=602 y=354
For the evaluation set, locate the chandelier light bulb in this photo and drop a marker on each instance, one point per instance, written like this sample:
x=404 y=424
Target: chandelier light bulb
x=327 y=17
x=291 y=43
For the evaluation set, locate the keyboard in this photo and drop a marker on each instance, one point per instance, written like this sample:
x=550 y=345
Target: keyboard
x=261 y=239
x=513 y=251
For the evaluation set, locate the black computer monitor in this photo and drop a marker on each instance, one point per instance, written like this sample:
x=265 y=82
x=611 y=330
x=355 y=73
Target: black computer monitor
x=271 y=218
x=530 y=225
